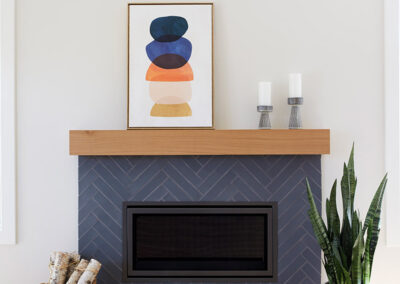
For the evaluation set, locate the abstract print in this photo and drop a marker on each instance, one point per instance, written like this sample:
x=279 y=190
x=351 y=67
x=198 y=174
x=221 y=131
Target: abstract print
x=169 y=73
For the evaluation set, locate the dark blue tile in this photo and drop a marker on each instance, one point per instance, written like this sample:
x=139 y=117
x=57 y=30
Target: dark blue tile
x=115 y=225
x=122 y=162
x=179 y=167
x=210 y=165
x=117 y=173
x=152 y=184
x=184 y=193
x=193 y=163
x=255 y=170
x=112 y=210
x=114 y=240
x=85 y=165
x=111 y=194
x=214 y=189
x=110 y=180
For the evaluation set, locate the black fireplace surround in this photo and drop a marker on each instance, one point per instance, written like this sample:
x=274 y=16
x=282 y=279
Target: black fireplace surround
x=200 y=241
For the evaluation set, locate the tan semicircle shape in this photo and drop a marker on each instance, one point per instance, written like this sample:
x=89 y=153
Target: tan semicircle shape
x=175 y=110
x=170 y=92
x=155 y=73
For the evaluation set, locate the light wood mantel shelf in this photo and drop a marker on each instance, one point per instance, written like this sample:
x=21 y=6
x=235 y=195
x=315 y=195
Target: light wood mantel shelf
x=199 y=142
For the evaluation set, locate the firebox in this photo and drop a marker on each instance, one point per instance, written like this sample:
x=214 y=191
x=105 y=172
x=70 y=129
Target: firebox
x=205 y=241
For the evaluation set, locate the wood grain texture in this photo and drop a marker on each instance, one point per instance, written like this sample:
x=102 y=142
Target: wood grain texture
x=199 y=142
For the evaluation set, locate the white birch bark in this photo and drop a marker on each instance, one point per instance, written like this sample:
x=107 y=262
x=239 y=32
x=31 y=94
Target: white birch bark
x=73 y=262
x=51 y=265
x=89 y=276
x=78 y=272
x=58 y=273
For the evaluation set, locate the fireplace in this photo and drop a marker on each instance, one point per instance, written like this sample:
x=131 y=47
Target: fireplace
x=207 y=241
x=105 y=183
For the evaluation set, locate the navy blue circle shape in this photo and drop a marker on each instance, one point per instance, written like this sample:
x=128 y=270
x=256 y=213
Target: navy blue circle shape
x=167 y=29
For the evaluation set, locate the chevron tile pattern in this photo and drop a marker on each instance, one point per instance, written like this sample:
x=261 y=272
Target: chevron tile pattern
x=105 y=182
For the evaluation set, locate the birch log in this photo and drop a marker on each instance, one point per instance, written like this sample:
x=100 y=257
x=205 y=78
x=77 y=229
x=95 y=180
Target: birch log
x=78 y=272
x=89 y=276
x=51 y=265
x=59 y=272
x=73 y=262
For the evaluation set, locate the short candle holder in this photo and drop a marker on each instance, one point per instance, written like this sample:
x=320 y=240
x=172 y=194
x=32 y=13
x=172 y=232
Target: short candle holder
x=295 y=117
x=265 y=122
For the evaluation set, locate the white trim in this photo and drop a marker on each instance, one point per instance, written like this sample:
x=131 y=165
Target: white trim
x=8 y=178
x=392 y=120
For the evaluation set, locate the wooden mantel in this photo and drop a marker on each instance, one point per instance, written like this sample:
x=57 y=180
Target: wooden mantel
x=199 y=142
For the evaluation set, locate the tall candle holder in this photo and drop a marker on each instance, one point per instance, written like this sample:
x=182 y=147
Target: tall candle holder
x=265 y=122
x=295 y=116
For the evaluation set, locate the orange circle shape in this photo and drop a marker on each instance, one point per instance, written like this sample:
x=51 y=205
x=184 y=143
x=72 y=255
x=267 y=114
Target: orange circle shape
x=157 y=74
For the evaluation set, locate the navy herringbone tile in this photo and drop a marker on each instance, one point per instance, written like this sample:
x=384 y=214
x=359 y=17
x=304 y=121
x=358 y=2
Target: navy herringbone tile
x=298 y=276
x=86 y=196
x=312 y=258
x=294 y=250
x=86 y=245
x=288 y=186
x=180 y=167
x=158 y=194
x=105 y=277
x=151 y=185
x=292 y=209
x=106 y=190
x=186 y=193
x=106 y=182
x=109 y=265
x=111 y=236
x=223 y=182
x=255 y=170
x=113 y=255
x=279 y=165
x=122 y=162
x=227 y=192
x=288 y=238
x=310 y=272
x=103 y=202
x=116 y=171
x=248 y=178
x=139 y=166
x=144 y=176
x=85 y=165
x=86 y=180
x=213 y=169
x=107 y=220
x=110 y=179
x=252 y=193
x=170 y=197
x=183 y=180
x=193 y=163
x=239 y=197
x=293 y=267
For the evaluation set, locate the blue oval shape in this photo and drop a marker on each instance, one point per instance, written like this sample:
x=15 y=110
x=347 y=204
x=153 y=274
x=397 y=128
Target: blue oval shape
x=167 y=29
x=182 y=47
x=170 y=61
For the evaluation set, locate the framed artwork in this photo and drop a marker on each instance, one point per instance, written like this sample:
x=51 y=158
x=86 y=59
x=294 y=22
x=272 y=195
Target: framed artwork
x=170 y=72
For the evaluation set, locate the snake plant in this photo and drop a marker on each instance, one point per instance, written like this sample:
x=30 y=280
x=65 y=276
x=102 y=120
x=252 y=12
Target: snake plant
x=348 y=245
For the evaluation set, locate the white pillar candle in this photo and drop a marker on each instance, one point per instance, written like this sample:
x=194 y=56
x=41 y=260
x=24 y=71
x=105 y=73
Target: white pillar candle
x=295 y=88
x=264 y=94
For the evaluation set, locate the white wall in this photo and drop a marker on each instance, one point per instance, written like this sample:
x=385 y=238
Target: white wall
x=71 y=74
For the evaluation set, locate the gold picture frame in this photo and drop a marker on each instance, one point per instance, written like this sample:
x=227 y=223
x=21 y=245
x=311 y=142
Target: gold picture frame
x=212 y=68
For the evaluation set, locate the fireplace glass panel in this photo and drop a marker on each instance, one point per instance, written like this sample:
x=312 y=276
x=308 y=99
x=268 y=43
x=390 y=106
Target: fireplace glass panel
x=200 y=242
x=214 y=241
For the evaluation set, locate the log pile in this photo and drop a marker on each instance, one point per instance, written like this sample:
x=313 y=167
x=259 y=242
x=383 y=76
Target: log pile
x=69 y=268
